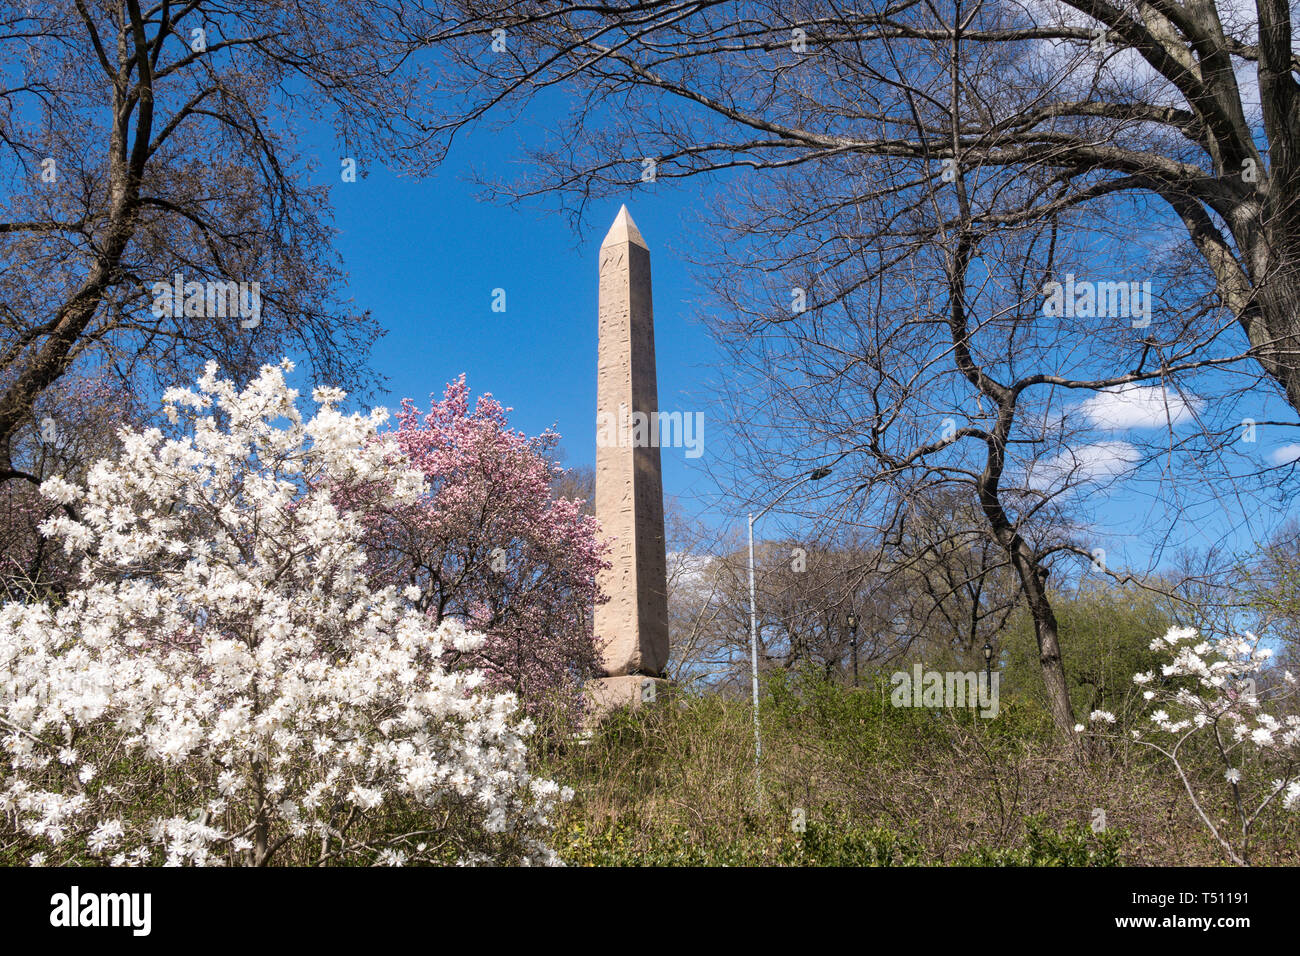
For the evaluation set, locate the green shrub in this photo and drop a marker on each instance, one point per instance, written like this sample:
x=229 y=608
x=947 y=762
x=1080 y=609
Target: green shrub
x=1074 y=845
x=642 y=843
x=626 y=843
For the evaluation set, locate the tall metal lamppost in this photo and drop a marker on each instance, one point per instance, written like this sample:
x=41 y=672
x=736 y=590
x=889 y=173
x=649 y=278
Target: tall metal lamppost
x=817 y=474
x=852 y=622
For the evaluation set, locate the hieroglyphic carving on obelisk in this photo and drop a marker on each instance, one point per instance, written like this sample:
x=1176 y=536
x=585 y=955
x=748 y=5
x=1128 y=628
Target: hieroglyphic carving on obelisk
x=629 y=482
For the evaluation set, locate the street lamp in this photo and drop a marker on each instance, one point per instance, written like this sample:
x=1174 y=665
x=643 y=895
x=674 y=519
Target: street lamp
x=852 y=622
x=817 y=474
x=988 y=666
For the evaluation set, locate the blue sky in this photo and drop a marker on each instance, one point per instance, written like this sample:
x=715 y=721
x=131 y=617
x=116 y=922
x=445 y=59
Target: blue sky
x=426 y=255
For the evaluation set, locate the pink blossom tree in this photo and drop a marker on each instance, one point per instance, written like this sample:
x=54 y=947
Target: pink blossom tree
x=490 y=545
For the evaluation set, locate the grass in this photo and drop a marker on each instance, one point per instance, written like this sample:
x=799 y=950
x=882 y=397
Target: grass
x=850 y=780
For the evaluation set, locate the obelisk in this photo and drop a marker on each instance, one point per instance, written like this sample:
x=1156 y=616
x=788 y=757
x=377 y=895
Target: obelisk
x=633 y=623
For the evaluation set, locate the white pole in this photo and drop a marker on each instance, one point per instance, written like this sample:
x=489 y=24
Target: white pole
x=815 y=474
x=753 y=666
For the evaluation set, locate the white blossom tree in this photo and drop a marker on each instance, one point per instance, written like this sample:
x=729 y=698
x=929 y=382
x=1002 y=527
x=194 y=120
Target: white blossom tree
x=1210 y=692
x=224 y=686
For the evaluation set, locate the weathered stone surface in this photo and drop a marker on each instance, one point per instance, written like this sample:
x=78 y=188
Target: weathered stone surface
x=629 y=690
x=629 y=482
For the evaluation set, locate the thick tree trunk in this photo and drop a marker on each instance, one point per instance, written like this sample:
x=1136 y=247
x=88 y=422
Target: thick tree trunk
x=1033 y=585
x=1275 y=332
x=1033 y=576
x=1033 y=580
x=128 y=151
x=1269 y=226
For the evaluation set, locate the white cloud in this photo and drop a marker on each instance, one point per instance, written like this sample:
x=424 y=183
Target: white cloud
x=688 y=569
x=1286 y=454
x=1087 y=463
x=1138 y=406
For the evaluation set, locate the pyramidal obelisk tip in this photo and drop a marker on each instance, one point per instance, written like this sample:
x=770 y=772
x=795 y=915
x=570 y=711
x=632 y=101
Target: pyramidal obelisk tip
x=624 y=230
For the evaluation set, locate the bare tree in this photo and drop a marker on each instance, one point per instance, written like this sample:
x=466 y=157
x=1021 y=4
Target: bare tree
x=702 y=600
x=139 y=142
x=578 y=483
x=804 y=592
x=926 y=594
x=76 y=423
x=957 y=584
x=942 y=385
x=930 y=171
x=1101 y=104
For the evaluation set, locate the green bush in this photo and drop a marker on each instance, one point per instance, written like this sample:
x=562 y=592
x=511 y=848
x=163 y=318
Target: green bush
x=1105 y=639
x=1074 y=845
x=874 y=784
x=638 y=843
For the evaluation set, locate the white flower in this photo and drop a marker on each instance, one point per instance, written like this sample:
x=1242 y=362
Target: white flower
x=1292 y=796
x=108 y=834
x=1232 y=775
x=254 y=660
x=365 y=797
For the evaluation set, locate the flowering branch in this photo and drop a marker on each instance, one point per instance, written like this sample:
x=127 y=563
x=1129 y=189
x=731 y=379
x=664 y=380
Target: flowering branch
x=1213 y=686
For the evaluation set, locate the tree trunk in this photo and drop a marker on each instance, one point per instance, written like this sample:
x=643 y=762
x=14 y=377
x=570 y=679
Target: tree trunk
x=1033 y=576
x=1033 y=579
